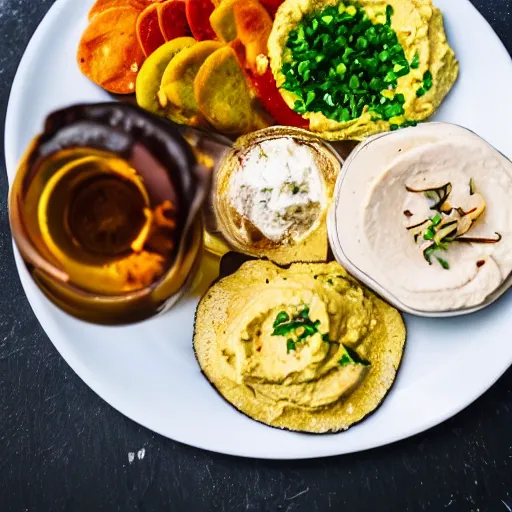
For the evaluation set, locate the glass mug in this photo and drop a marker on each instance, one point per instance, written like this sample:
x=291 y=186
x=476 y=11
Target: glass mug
x=105 y=210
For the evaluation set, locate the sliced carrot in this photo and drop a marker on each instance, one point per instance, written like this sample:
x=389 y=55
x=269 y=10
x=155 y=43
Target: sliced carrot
x=253 y=26
x=172 y=19
x=198 y=16
x=109 y=53
x=103 y=5
x=148 y=30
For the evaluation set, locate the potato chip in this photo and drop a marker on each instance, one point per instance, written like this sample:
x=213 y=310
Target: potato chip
x=150 y=77
x=178 y=78
x=109 y=53
x=222 y=21
x=224 y=96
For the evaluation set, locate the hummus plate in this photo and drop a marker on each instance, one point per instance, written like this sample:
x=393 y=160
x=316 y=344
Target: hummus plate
x=396 y=219
x=148 y=371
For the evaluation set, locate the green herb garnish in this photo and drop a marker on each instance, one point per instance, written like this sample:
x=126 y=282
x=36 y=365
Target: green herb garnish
x=290 y=345
x=436 y=220
x=287 y=328
x=443 y=263
x=281 y=318
x=427 y=84
x=338 y=62
x=443 y=229
x=415 y=63
x=300 y=326
x=389 y=13
x=351 y=357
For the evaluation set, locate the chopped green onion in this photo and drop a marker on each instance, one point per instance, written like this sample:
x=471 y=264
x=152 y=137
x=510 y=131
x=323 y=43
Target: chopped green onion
x=443 y=263
x=429 y=234
x=354 y=82
x=310 y=97
x=389 y=13
x=290 y=345
x=415 y=63
x=341 y=68
x=344 y=86
x=427 y=80
x=436 y=219
x=351 y=357
x=281 y=318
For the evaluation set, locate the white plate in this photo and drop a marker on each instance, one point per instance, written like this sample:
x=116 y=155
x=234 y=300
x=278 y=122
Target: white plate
x=148 y=371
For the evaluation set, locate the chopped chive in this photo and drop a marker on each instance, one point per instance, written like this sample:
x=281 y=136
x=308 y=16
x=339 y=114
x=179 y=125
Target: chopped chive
x=427 y=80
x=415 y=63
x=351 y=357
x=389 y=13
x=342 y=87
x=443 y=263
x=281 y=318
x=436 y=219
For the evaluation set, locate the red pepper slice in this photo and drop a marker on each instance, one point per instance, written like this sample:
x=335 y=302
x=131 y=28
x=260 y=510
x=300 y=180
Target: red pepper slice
x=265 y=86
x=173 y=20
x=148 y=30
x=198 y=16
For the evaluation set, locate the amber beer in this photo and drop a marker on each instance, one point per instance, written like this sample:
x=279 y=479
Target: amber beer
x=105 y=210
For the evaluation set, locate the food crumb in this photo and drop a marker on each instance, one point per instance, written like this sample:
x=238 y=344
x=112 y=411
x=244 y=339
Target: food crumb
x=131 y=457
x=141 y=453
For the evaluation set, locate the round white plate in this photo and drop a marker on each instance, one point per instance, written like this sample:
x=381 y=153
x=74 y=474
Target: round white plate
x=148 y=371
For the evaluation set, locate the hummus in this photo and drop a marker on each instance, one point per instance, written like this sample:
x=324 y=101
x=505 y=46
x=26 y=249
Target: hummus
x=306 y=349
x=339 y=97
x=430 y=218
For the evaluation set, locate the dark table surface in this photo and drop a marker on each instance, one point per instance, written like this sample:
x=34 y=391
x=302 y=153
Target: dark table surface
x=62 y=448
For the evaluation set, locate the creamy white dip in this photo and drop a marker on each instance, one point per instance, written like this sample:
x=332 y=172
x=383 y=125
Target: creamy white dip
x=374 y=210
x=279 y=188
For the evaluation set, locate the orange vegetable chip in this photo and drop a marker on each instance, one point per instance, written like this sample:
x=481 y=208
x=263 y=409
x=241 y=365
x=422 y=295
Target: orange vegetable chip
x=173 y=19
x=109 y=53
x=253 y=25
x=148 y=30
x=103 y=5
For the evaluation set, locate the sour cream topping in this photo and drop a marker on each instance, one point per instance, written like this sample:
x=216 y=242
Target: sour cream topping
x=279 y=188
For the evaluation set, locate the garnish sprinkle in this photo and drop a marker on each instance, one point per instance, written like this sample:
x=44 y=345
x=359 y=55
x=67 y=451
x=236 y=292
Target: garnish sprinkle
x=362 y=76
x=444 y=228
x=351 y=357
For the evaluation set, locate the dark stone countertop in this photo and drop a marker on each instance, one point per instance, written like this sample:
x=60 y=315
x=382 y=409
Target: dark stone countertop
x=62 y=448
